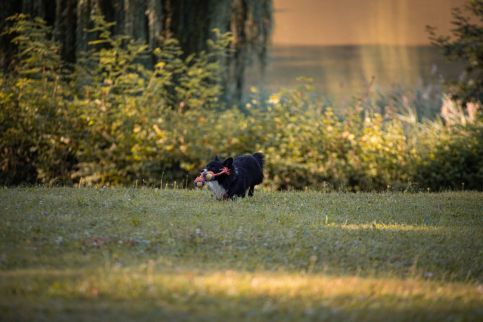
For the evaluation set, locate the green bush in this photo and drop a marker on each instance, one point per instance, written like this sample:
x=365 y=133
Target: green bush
x=455 y=162
x=126 y=109
x=35 y=117
x=110 y=120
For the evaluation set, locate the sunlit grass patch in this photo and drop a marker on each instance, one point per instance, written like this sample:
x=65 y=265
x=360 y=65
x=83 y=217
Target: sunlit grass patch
x=395 y=228
x=238 y=295
x=146 y=254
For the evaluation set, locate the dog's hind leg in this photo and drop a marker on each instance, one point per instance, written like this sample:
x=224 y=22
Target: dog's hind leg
x=250 y=191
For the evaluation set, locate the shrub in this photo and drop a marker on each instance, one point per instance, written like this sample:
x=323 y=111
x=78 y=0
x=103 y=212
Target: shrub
x=35 y=142
x=455 y=161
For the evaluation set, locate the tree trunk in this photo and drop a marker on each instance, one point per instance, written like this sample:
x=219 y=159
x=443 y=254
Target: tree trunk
x=65 y=28
x=7 y=8
x=135 y=23
x=154 y=13
x=190 y=21
x=239 y=43
x=83 y=19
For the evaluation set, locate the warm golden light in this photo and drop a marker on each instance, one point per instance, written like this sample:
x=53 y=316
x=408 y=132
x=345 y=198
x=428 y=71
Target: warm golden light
x=355 y=22
x=353 y=47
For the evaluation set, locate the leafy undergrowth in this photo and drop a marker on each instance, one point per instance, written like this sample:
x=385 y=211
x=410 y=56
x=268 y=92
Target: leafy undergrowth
x=148 y=254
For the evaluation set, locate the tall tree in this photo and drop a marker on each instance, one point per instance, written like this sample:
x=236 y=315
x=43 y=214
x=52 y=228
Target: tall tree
x=189 y=21
x=465 y=44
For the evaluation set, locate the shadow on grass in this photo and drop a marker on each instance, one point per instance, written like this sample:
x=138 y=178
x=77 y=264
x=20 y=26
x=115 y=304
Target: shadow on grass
x=222 y=310
x=230 y=296
x=368 y=250
x=436 y=253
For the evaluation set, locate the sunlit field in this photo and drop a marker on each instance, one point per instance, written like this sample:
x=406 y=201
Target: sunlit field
x=148 y=254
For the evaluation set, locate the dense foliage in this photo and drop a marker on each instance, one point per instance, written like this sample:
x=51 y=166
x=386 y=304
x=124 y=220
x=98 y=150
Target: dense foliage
x=190 y=22
x=109 y=120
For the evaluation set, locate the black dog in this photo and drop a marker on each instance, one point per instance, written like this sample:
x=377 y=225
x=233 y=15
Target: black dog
x=233 y=177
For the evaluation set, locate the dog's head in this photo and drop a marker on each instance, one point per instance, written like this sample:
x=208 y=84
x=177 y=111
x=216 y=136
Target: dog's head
x=216 y=170
x=217 y=165
x=214 y=174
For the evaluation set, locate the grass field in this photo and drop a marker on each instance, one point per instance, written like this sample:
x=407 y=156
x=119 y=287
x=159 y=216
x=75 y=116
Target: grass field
x=144 y=254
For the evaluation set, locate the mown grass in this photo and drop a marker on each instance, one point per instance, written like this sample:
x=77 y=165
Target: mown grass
x=145 y=254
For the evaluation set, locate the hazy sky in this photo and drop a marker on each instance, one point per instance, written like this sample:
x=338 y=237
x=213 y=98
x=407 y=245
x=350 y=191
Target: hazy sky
x=337 y=22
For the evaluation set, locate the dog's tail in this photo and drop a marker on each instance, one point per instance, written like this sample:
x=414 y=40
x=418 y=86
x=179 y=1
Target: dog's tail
x=260 y=159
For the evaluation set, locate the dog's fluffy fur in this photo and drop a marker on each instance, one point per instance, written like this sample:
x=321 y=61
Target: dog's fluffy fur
x=246 y=171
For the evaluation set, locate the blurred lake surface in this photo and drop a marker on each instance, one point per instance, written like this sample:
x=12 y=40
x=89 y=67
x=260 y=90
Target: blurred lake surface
x=341 y=73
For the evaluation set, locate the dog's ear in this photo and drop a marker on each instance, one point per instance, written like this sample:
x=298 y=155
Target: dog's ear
x=216 y=158
x=228 y=162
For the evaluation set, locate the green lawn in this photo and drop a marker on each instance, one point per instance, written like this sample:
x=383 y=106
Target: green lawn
x=146 y=254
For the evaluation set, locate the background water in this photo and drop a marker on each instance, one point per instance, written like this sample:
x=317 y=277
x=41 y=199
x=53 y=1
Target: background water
x=341 y=73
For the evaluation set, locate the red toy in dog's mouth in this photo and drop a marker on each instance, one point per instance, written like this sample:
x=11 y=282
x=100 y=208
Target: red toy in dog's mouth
x=202 y=178
x=208 y=176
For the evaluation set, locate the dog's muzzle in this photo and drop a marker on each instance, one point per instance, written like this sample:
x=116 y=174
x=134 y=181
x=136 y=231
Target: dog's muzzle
x=206 y=175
